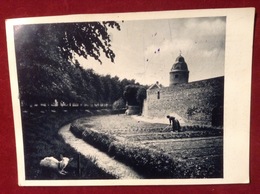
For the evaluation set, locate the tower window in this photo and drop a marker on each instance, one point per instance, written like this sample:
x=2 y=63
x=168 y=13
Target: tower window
x=176 y=76
x=158 y=95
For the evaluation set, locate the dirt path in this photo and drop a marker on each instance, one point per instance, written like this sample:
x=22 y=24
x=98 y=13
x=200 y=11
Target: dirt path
x=102 y=160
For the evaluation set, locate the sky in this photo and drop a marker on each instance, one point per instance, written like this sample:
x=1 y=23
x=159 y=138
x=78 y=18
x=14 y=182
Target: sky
x=146 y=50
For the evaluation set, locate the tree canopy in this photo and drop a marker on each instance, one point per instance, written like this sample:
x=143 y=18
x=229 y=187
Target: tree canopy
x=135 y=94
x=48 y=69
x=53 y=42
x=47 y=66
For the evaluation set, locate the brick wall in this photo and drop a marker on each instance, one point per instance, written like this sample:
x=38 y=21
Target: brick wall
x=194 y=101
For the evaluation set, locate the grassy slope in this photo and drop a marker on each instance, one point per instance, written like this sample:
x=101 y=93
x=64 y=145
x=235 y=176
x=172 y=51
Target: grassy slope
x=41 y=139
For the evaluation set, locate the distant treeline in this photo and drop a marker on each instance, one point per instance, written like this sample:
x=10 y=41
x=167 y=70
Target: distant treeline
x=70 y=85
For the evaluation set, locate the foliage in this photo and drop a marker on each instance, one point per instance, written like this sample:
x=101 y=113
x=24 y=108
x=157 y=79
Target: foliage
x=47 y=67
x=87 y=39
x=135 y=94
x=59 y=42
x=119 y=104
x=141 y=95
x=77 y=85
x=130 y=94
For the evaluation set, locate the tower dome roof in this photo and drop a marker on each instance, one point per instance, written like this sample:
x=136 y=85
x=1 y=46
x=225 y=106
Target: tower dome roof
x=180 y=64
x=180 y=59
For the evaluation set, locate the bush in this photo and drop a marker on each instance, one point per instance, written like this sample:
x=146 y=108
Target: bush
x=119 y=104
x=150 y=163
x=76 y=129
x=98 y=139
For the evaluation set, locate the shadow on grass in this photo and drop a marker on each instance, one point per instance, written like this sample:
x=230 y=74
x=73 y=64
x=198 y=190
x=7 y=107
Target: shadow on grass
x=41 y=139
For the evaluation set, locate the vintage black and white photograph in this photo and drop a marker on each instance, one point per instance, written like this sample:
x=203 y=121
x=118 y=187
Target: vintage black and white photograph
x=124 y=98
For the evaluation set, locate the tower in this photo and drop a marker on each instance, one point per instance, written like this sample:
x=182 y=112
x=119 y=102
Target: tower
x=179 y=72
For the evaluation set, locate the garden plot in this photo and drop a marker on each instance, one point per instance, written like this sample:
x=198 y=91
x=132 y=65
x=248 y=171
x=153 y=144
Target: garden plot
x=153 y=149
x=121 y=124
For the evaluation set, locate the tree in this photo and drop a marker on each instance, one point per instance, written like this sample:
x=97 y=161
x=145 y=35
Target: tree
x=115 y=87
x=130 y=94
x=119 y=104
x=135 y=94
x=87 y=39
x=45 y=54
x=141 y=95
x=99 y=88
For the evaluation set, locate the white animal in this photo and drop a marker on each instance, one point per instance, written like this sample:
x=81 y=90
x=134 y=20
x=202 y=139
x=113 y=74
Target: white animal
x=54 y=164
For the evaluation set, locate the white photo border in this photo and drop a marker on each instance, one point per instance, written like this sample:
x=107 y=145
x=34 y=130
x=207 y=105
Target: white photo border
x=237 y=93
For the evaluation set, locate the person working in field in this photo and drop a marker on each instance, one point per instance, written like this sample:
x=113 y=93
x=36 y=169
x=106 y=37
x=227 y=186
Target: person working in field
x=174 y=123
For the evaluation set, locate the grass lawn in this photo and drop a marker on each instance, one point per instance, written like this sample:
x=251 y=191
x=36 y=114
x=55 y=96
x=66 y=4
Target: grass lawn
x=41 y=139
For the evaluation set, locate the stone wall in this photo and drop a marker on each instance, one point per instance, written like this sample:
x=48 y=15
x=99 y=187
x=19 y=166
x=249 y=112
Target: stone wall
x=194 y=102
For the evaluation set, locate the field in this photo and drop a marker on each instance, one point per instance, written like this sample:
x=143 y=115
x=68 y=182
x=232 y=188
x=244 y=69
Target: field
x=153 y=149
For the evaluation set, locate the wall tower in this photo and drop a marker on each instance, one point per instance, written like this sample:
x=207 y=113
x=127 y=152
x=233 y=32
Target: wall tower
x=179 y=72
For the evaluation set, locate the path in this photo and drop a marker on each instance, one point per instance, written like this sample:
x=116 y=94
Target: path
x=102 y=160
